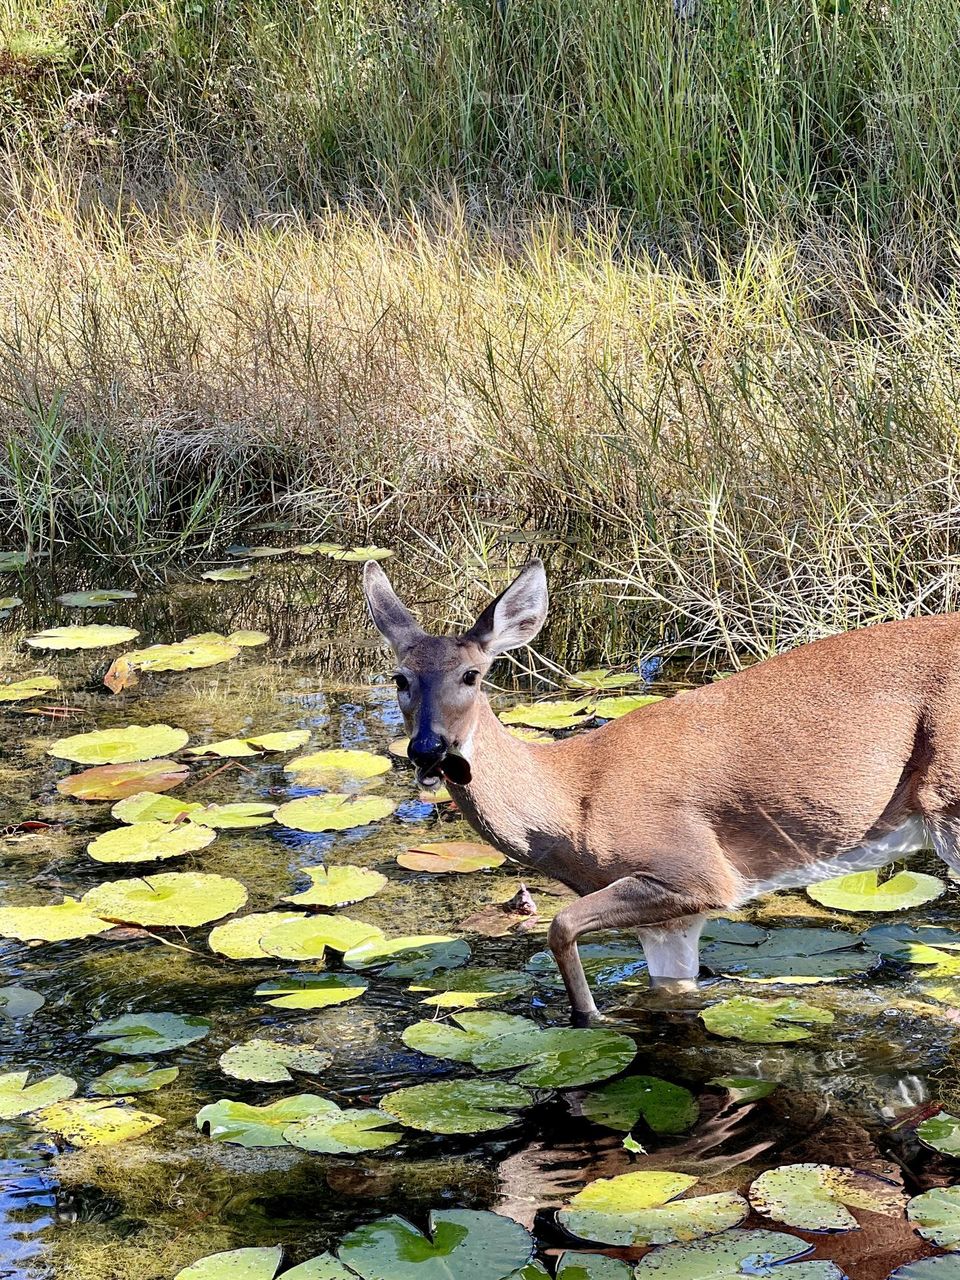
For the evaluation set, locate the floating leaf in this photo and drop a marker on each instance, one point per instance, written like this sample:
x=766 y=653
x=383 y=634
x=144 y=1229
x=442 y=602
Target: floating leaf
x=947 y=1268
x=614 y=708
x=312 y=991
x=147 y=806
x=240 y=573
x=462 y=1244
x=818 y=1197
x=942 y=1133
x=592 y=1266
x=307 y=937
x=862 y=891
x=458 y=1106
x=745 y=1088
x=936 y=1215
x=94 y=636
x=19 y=1002
x=469 y=988
x=236 y=1264
x=55 y=923
x=460 y=1041
x=926 y=945
x=11 y=560
x=763 y=1021
x=248 y=1126
x=336 y=769
x=227 y=748
x=721 y=929
x=665 y=1107
x=361 y=553
x=340 y=1133
x=184 y=898
x=120 y=746
x=602 y=678
x=234 y=817
x=132 y=1077
x=736 y=1254
x=398 y=748
x=257 y=553
x=116 y=781
x=89 y=1123
x=337 y=886
x=550 y=715
x=94 y=599
x=137 y=1034
x=451 y=855
x=406 y=958
x=192 y=654
x=316 y=548
x=147 y=841
x=791 y=956
x=34 y=687
x=17 y=1098
x=635 y=1209
x=333 y=812
x=240 y=939
x=246 y=639
x=282 y=740
x=269 y=1061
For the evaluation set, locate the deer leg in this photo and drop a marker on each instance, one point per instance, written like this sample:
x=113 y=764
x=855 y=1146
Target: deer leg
x=673 y=954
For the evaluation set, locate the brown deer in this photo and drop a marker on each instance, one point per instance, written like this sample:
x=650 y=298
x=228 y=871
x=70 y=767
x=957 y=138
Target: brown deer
x=837 y=756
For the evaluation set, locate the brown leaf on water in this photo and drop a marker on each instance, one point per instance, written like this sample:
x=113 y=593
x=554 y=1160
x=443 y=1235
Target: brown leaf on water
x=120 y=675
x=115 y=781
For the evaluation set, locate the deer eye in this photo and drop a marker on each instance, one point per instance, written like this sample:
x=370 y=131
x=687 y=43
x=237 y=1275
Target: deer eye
x=471 y=677
x=401 y=681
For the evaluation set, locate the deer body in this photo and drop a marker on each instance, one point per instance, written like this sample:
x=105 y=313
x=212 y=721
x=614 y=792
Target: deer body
x=837 y=756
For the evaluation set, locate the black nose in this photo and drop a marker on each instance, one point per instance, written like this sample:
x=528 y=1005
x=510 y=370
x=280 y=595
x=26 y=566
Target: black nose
x=427 y=749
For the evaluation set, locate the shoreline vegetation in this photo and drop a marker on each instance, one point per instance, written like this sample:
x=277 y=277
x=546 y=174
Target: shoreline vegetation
x=675 y=297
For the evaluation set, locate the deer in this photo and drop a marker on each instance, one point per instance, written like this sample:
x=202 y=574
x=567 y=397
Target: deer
x=839 y=755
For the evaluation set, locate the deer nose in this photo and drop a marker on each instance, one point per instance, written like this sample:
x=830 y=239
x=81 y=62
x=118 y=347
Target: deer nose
x=427 y=749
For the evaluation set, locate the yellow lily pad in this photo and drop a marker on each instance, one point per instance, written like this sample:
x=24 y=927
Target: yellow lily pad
x=862 y=891
x=337 y=886
x=641 y=1208
x=92 y=636
x=17 y=1098
x=148 y=806
x=132 y=743
x=34 y=687
x=147 y=841
x=55 y=923
x=88 y=1122
x=336 y=768
x=116 y=781
x=561 y=714
x=308 y=937
x=186 y=898
x=233 y=817
x=333 y=812
x=446 y=856
x=240 y=939
x=248 y=639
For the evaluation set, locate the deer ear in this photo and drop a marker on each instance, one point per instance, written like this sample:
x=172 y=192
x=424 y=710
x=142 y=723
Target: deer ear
x=392 y=619
x=516 y=615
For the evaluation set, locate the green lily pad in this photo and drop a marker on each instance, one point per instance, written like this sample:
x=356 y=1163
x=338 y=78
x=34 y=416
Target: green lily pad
x=562 y=714
x=8 y=604
x=446 y=856
x=239 y=573
x=312 y=990
x=226 y=749
x=262 y=1264
x=458 y=1106
x=642 y=1208
x=592 y=1266
x=459 y=1042
x=12 y=560
x=93 y=636
x=120 y=746
x=602 y=678
x=55 y=923
x=234 y=817
x=941 y=1133
x=461 y=1244
x=19 y=1002
x=931 y=947
x=334 y=1132
x=147 y=806
x=247 y=1126
x=721 y=929
x=338 y=769
x=94 y=599
x=269 y=1061
x=946 y=1268
x=470 y=988
x=148 y=841
x=663 y=1106
x=117 y=781
x=132 y=1077
x=337 y=886
x=819 y=1197
x=333 y=812
x=186 y=898
x=17 y=1098
x=139 y=1034
x=410 y=957
x=317 y=548
x=308 y=937
x=614 y=708
x=240 y=938
x=735 y=1255
x=361 y=554
x=23 y=690
x=604 y=963
x=862 y=891
x=763 y=1021
x=745 y=1088
x=192 y=654
x=798 y=956
x=95 y=1122
x=936 y=1215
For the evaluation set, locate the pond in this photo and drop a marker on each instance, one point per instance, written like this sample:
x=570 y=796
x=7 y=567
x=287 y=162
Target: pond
x=82 y=1204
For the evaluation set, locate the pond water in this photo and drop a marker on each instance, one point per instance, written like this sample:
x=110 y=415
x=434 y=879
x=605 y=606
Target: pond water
x=142 y=1209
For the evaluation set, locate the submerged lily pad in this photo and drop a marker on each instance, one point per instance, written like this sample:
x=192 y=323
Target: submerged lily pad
x=863 y=891
x=664 y=1107
x=936 y=1215
x=94 y=636
x=458 y=1106
x=736 y=1254
x=238 y=573
x=33 y=687
x=337 y=886
x=147 y=841
x=641 y=1208
x=406 y=958
x=308 y=937
x=19 y=1002
x=312 y=990
x=185 y=898
x=94 y=599
x=116 y=781
x=120 y=746
x=763 y=1021
x=461 y=1244
x=17 y=1098
x=248 y=1126
x=745 y=1088
x=333 y=812
x=240 y=939
x=55 y=923
x=138 y=1034
x=470 y=988
x=942 y=1133
x=604 y=963
x=132 y=1077
x=147 y=806
x=819 y=1197
x=592 y=1266
x=270 y=1061
x=562 y=714
x=447 y=856
x=338 y=768
x=342 y=1133
x=791 y=956
x=86 y=1122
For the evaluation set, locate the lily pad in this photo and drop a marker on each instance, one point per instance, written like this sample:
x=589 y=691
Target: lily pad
x=722 y=929
x=86 y=1122
x=663 y=1106
x=317 y=548
x=460 y=1038
x=147 y=806
x=745 y=1088
x=192 y=654
x=120 y=746
x=946 y=1268
x=185 y=898
x=642 y=1208
x=239 y=573
x=361 y=554
x=94 y=599
x=863 y=891
x=334 y=1132
x=799 y=956
x=941 y=1133
x=410 y=957
x=116 y=781
x=234 y=817
x=312 y=991
x=925 y=946
x=132 y=1077
x=93 y=636
x=19 y=1002
x=308 y=937
x=333 y=812
x=614 y=708
x=253 y=744
x=338 y=769
x=592 y=1266
x=148 y=841
x=936 y=1215
x=736 y=1254
x=764 y=1021
x=248 y=1126
x=280 y=740
x=17 y=1098
x=33 y=687
x=245 y=639
x=458 y=1106
x=227 y=749
x=240 y=938
x=819 y=1197
x=461 y=1244
x=470 y=988
x=257 y=553
x=562 y=714
x=12 y=560
x=55 y=923
x=269 y=1061
x=236 y=1264
x=337 y=886
x=8 y=604
x=139 y=1034
x=602 y=678
x=447 y=856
